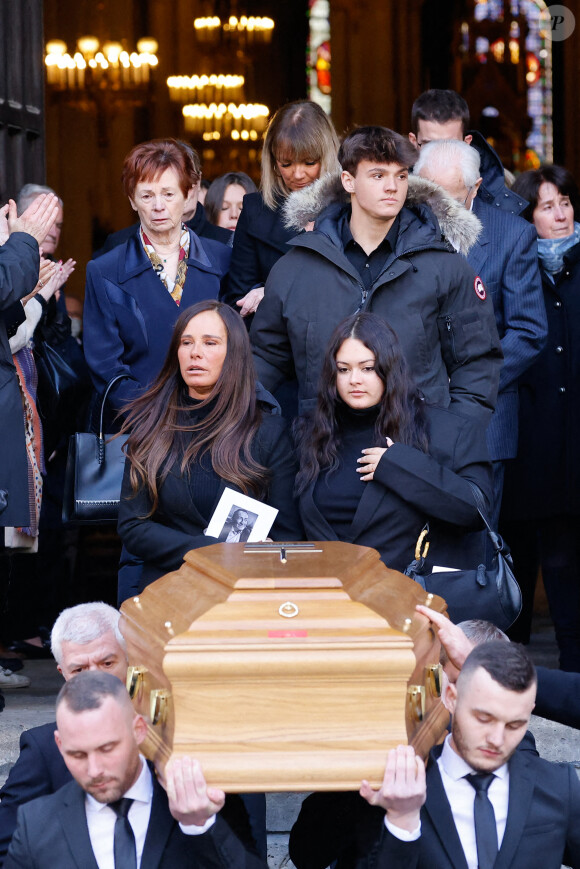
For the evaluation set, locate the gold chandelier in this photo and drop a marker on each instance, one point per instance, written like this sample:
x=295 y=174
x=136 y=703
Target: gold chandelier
x=206 y=88
x=95 y=66
x=245 y=121
x=250 y=28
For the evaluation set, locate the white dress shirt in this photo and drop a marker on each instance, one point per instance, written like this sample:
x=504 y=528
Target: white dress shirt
x=461 y=797
x=101 y=820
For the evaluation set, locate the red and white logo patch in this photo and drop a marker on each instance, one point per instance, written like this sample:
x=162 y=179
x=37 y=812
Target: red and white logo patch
x=479 y=289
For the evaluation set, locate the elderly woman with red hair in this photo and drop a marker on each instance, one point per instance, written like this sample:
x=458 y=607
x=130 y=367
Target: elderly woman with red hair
x=135 y=292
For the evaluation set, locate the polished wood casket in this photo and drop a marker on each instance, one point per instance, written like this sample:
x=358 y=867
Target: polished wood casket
x=284 y=666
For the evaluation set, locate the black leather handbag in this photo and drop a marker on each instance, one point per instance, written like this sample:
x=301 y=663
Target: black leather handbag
x=493 y=595
x=94 y=473
x=58 y=382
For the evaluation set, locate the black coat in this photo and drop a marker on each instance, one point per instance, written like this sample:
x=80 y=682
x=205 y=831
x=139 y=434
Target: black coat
x=544 y=480
x=177 y=526
x=19 y=263
x=411 y=487
x=426 y=293
x=39 y=770
x=260 y=240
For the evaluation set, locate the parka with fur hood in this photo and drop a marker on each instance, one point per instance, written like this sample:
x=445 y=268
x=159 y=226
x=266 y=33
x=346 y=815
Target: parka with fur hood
x=427 y=292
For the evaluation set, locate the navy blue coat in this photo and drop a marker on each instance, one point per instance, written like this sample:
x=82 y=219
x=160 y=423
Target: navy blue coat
x=505 y=257
x=129 y=315
x=544 y=480
x=19 y=264
x=494 y=190
x=260 y=240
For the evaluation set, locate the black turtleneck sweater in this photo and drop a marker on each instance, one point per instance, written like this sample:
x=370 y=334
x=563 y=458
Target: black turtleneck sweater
x=337 y=493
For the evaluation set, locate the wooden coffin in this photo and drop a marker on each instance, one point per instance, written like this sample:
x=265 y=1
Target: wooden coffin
x=292 y=668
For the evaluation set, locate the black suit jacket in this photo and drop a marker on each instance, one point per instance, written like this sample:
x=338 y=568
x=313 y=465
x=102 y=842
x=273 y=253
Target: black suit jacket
x=39 y=770
x=542 y=829
x=52 y=832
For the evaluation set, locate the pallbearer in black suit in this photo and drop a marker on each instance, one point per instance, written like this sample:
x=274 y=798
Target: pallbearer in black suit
x=115 y=815
x=481 y=803
x=376 y=463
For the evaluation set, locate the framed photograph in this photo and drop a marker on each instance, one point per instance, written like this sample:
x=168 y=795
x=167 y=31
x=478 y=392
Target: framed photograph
x=240 y=519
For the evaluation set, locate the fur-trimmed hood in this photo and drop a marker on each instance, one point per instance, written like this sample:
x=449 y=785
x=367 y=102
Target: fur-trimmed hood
x=460 y=227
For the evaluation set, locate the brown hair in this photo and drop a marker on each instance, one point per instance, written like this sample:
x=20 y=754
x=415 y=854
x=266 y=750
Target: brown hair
x=378 y=144
x=299 y=131
x=440 y=106
x=217 y=190
x=159 y=421
x=147 y=161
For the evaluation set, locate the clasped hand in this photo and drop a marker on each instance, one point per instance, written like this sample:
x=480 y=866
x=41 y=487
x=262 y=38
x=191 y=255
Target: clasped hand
x=403 y=790
x=369 y=461
x=191 y=801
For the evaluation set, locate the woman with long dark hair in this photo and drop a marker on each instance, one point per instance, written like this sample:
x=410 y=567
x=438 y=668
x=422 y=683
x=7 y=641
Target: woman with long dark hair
x=376 y=463
x=203 y=424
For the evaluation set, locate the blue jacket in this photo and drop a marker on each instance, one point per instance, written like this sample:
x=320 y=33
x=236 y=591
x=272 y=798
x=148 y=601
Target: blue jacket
x=129 y=315
x=505 y=257
x=494 y=190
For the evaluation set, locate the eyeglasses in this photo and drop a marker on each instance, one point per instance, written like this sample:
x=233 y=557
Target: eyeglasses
x=469 y=189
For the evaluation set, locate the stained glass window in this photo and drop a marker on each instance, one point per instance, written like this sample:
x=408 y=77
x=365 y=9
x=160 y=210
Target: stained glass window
x=538 y=66
x=318 y=60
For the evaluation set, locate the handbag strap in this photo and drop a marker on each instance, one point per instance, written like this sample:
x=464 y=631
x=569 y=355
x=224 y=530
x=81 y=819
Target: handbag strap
x=496 y=540
x=110 y=384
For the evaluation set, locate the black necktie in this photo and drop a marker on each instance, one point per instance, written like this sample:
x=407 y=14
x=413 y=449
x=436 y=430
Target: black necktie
x=484 y=818
x=124 y=842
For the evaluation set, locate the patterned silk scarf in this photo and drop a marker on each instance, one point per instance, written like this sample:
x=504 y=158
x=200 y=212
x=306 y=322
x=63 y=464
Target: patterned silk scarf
x=27 y=380
x=175 y=289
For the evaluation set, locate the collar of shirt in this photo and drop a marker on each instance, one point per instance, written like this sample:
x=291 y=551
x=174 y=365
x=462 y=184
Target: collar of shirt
x=389 y=242
x=141 y=791
x=101 y=820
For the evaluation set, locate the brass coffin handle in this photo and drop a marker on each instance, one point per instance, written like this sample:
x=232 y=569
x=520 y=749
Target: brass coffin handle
x=435 y=679
x=416 y=695
x=158 y=705
x=135 y=676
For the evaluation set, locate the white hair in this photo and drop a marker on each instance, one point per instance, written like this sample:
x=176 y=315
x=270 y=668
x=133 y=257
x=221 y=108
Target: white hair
x=443 y=153
x=28 y=194
x=84 y=623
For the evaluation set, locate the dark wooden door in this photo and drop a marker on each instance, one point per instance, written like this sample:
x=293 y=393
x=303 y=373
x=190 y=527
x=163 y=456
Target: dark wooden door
x=21 y=95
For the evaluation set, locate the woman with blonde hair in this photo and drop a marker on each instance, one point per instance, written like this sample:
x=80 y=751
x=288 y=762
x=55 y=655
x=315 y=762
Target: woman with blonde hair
x=300 y=145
